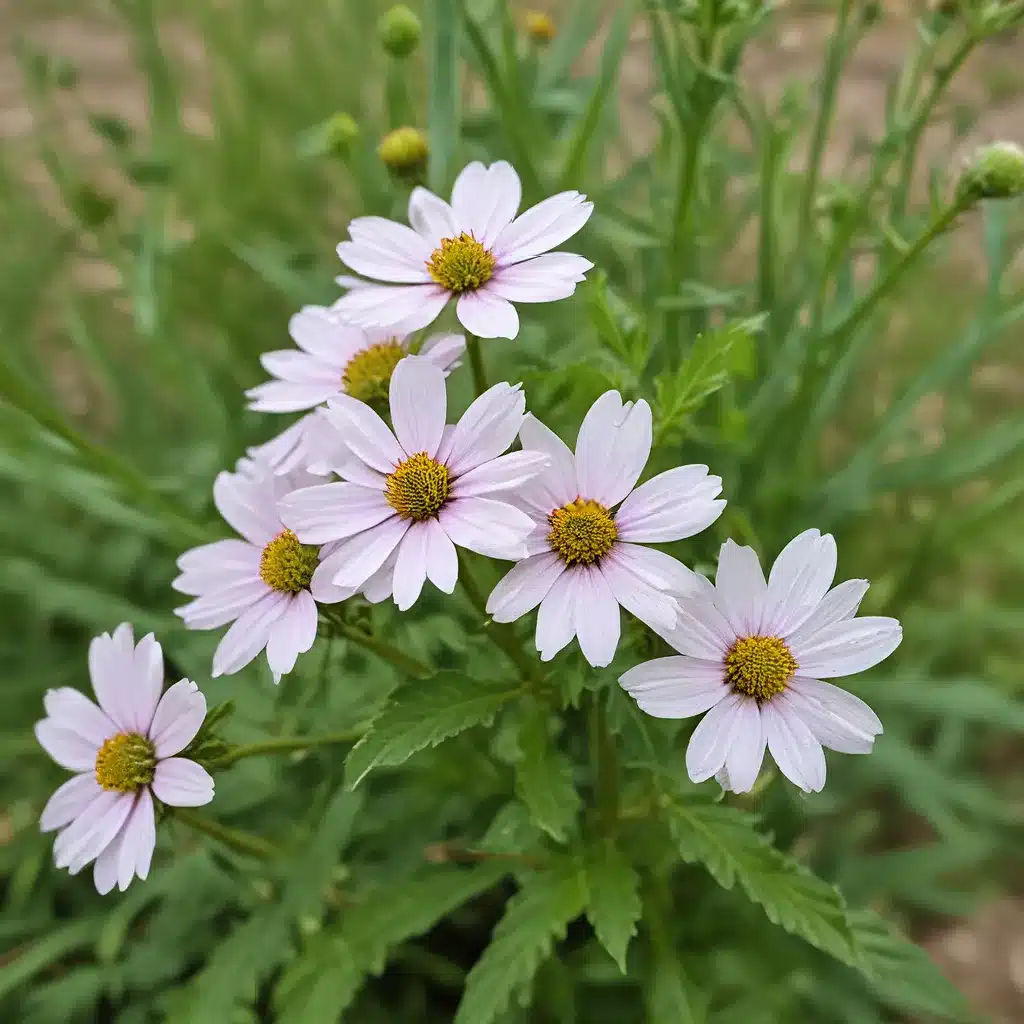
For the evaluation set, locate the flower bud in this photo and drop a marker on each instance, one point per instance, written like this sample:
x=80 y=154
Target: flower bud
x=995 y=171
x=404 y=151
x=399 y=30
x=540 y=27
x=340 y=132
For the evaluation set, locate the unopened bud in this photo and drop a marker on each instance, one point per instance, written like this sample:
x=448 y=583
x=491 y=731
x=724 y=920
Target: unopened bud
x=540 y=27
x=404 y=151
x=340 y=133
x=995 y=171
x=399 y=30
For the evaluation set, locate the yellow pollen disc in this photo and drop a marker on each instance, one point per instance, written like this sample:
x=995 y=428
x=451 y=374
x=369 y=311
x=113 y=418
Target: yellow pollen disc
x=759 y=666
x=418 y=488
x=461 y=264
x=368 y=373
x=582 y=531
x=125 y=762
x=287 y=565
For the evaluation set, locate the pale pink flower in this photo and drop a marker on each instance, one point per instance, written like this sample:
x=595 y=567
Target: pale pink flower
x=587 y=557
x=753 y=654
x=123 y=752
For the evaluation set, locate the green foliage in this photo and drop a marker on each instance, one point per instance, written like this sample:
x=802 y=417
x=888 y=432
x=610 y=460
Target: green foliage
x=613 y=899
x=544 y=779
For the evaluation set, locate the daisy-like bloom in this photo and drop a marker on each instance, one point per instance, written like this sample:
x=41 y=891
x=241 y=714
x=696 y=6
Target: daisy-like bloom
x=409 y=497
x=124 y=755
x=263 y=583
x=474 y=249
x=334 y=358
x=754 y=654
x=586 y=556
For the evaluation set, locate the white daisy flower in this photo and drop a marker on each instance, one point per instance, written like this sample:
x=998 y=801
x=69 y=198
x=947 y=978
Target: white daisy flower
x=334 y=358
x=411 y=496
x=263 y=583
x=475 y=249
x=586 y=557
x=124 y=754
x=754 y=654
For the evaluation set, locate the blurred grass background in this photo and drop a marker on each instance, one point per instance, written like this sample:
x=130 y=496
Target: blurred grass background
x=164 y=209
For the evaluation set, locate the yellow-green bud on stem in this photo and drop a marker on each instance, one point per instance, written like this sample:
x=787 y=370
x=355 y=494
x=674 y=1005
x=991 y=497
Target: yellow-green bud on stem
x=399 y=30
x=404 y=151
x=995 y=171
x=540 y=27
x=340 y=132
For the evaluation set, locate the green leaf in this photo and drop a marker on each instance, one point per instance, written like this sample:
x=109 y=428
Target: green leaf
x=46 y=951
x=670 y=997
x=726 y=841
x=442 y=101
x=613 y=899
x=537 y=915
x=544 y=779
x=423 y=714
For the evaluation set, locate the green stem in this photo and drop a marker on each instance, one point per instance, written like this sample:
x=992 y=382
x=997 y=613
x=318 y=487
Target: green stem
x=476 y=362
x=403 y=662
x=604 y=759
x=284 y=744
x=240 y=841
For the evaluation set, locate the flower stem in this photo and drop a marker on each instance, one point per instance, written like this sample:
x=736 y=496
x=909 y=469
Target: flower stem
x=604 y=761
x=285 y=744
x=403 y=662
x=476 y=362
x=240 y=841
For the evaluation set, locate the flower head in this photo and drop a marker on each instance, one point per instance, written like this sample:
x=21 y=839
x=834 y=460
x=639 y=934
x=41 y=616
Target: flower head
x=404 y=151
x=586 y=557
x=399 y=30
x=474 y=249
x=754 y=654
x=123 y=752
x=409 y=497
x=995 y=171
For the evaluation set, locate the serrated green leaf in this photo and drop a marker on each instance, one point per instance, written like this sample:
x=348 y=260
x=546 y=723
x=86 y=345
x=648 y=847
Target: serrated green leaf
x=537 y=915
x=544 y=779
x=423 y=714
x=512 y=831
x=613 y=899
x=726 y=841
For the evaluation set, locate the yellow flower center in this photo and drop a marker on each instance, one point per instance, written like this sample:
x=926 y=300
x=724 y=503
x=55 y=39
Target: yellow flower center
x=759 y=666
x=582 y=531
x=461 y=264
x=125 y=762
x=287 y=565
x=418 y=488
x=368 y=373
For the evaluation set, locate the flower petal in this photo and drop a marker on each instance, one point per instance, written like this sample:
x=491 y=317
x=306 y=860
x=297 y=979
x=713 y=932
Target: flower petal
x=840 y=603
x=487 y=315
x=111 y=663
x=713 y=738
x=302 y=368
x=329 y=512
x=104 y=875
x=92 y=831
x=660 y=571
x=489 y=527
x=612 y=448
x=504 y=473
x=409 y=308
x=359 y=557
x=322 y=333
x=847 y=647
x=431 y=217
x=486 y=200
x=486 y=429
x=542 y=227
x=743 y=761
x=249 y=634
x=69 y=800
x=637 y=596
x=837 y=718
x=386 y=251
x=148 y=682
x=73 y=711
x=442 y=558
x=700 y=631
x=419 y=403
x=67 y=748
x=411 y=567
x=222 y=556
x=524 y=586
x=444 y=350
x=797 y=753
x=740 y=588
x=239 y=500
x=293 y=634
x=365 y=433
x=137 y=841
x=221 y=606
x=556 y=486
x=598 y=622
x=799 y=579
x=546 y=278
x=218 y=571
x=178 y=717
x=670 y=506
x=556 y=620
x=675 y=687
x=180 y=782
x=286 y=396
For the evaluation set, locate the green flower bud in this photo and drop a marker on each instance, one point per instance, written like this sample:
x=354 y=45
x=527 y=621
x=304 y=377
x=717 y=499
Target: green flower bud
x=404 y=151
x=540 y=27
x=996 y=171
x=340 y=133
x=399 y=31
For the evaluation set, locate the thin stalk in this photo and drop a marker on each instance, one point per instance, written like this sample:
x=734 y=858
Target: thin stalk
x=285 y=744
x=383 y=650
x=476 y=363
x=242 y=842
x=604 y=762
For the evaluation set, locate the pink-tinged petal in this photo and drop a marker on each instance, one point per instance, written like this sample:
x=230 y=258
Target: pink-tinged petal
x=556 y=620
x=598 y=622
x=546 y=278
x=557 y=485
x=411 y=567
x=419 y=403
x=104 y=873
x=69 y=800
x=179 y=782
x=489 y=527
x=797 y=753
x=700 y=631
x=486 y=429
x=347 y=281
x=365 y=433
x=137 y=842
x=524 y=586
x=442 y=558
x=397 y=249
x=676 y=504
x=285 y=396
x=828 y=729
x=148 y=675
x=178 y=717
x=612 y=448
x=324 y=590
x=740 y=588
x=847 y=647
x=836 y=716
x=111 y=662
x=364 y=259
x=221 y=555
x=293 y=634
x=840 y=603
x=675 y=687
x=486 y=199
x=359 y=557
x=67 y=748
x=329 y=512
x=487 y=315
x=249 y=634
x=504 y=473
x=713 y=738
x=380 y=585
x=638 y=597
x=72 y=711
x=743 y=761
x=660 y=571
x=444 y=350
x=409 y=307
x=302 y=368
x=238 y=500
x=322 y=333
x=431 y=217
x=220 y=575
x=542 y=227
x=91 y=832
x=799 y=579
x=218 y=608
